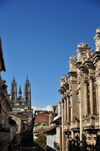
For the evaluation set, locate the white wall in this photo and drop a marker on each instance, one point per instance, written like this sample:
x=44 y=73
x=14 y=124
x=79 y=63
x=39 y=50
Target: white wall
x=51 y=139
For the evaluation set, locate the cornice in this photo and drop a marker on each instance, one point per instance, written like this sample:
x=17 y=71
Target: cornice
x=96 y=57
x=61 y=91
x=88 y=63
x=72 y=73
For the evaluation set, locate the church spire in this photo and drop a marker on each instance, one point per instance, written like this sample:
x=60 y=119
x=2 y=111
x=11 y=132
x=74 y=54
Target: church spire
x=13 y=79
x=27 y=78
x=20 y=92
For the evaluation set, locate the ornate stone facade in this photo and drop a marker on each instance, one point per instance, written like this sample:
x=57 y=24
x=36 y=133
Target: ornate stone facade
x=19 y=101
x=80 y=99
x=5 y=107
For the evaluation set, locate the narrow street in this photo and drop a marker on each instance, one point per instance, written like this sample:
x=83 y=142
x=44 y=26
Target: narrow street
x=27 y=143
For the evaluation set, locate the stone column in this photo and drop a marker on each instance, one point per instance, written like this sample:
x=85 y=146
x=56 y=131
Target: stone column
x=80 y=117
x=73 y=140
x=97 y=105
x=62 y=103
x=67 y=109
x=59 y=108
x=91 y=95
x=86 y=97
x=99 y=100
x=71 y=108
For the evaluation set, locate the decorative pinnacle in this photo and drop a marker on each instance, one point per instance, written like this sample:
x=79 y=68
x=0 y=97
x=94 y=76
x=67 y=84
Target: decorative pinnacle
x=20 y=92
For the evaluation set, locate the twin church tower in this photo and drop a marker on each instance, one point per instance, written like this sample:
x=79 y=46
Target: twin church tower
x=19 y=101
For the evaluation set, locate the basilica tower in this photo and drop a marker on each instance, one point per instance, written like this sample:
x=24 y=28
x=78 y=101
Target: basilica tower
x=13 y=91
x=27 y=93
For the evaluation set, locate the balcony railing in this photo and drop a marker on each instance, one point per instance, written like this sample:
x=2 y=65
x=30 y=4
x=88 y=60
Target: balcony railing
x=75 y=125
x=90 y=122
x=97 y=121
x=67 y=126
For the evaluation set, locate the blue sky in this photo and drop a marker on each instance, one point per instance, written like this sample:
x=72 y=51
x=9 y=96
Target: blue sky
x=39 y=36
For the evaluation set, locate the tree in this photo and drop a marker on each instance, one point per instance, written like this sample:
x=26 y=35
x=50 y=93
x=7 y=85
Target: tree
x=41 y=141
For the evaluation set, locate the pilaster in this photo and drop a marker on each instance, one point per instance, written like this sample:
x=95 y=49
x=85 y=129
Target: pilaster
x=99 y=99
x=67 y=109
x=85 y=96
x=62 y=105
x=91 y=95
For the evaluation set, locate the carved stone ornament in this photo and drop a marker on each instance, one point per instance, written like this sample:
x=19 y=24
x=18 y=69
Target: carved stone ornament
x=63 y=80
x=78 y=79
x=99 y=72
x=70 y=87
x=97 y=39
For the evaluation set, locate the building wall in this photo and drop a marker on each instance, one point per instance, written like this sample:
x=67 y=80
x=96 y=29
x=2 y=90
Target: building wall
x=41 y=117
x=50 y=140
x=80 y=99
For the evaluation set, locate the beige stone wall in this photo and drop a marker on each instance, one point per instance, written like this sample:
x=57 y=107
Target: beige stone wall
x=82 y=87
x=59 y=132
x=18 y=121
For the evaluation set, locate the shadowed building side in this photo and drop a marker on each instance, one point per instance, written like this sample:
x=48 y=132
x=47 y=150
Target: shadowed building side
x=2 y=64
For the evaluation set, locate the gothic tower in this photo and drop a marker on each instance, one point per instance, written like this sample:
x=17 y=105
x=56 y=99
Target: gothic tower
x=13 y=91
x=27 y=93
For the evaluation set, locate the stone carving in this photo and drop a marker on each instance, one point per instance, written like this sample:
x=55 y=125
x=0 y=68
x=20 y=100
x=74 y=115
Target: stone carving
x=83 y=56
x=99 y=72
x=63 y=80
x=2 y=84
x=70 y=87
x=86 y=55
x=72 y=62
x=97 y=39
x=91 y=140
x=81 y=51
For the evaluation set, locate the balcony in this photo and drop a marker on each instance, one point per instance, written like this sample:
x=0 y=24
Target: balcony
x=75 y=125
x=90 y=122
x=97 y=122
x=4 y=137
x=67 y=127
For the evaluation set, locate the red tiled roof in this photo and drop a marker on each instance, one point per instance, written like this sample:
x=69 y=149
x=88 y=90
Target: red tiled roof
x=50 y=128
x=45 y=130
x=40 y=130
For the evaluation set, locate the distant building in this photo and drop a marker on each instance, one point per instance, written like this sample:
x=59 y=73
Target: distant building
x=41 y=121
x=19 y=101
x=42 y=116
